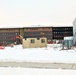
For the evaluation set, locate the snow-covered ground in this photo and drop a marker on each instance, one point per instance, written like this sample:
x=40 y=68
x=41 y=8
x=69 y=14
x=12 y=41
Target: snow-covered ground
x=49 y=54
x=35 y=71
x=52 y=53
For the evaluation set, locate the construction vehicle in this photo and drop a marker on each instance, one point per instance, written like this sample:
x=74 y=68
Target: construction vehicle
x=18 y=36
x=15 y=37
x=32 y=42
x=21 y=38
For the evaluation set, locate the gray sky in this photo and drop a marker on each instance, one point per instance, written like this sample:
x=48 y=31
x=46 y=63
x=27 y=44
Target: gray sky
x=37 y=12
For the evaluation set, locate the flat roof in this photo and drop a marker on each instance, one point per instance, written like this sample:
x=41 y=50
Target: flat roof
x=31 y=26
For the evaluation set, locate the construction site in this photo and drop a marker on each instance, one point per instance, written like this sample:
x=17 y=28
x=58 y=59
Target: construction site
x=32 y=37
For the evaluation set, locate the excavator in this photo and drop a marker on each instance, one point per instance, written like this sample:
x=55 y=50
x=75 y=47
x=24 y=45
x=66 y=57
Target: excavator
x=18 y=36
x=15 y=37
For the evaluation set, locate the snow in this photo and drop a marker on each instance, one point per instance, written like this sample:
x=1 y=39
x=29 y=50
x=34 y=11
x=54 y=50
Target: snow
x=35 y=71
x=52 y=53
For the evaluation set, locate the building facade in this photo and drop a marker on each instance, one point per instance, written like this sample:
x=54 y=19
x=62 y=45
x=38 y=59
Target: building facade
x=8 y=35
x=60 y=32
x=38 y=32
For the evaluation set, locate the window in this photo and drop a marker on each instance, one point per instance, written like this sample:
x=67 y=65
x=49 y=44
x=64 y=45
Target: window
x=16 y=33
x=26 y=28
x=42 y=40
x=32 y=41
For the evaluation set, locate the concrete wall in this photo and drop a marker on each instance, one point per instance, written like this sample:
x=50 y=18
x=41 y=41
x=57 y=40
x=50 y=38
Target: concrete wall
x=74 y=31
x=37 y=43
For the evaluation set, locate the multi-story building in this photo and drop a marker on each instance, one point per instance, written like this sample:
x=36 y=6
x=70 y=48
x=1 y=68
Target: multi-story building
x=60 y=32
x=7 y=35
x=38 y=32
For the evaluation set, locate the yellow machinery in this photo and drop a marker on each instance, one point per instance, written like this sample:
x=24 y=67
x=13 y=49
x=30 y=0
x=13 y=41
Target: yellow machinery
x=32 y=42
x=20 y=37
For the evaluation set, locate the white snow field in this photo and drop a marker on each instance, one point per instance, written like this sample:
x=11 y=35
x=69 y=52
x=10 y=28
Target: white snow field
x=35 y=71
x=52 y=54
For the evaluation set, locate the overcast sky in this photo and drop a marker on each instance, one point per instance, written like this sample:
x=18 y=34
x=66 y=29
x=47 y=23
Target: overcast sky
x=37 y=12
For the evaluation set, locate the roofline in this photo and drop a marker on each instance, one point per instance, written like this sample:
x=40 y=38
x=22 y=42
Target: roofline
x=63 y=26
x=33 y=27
